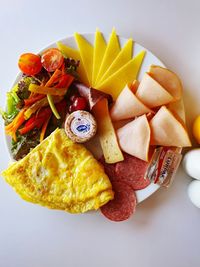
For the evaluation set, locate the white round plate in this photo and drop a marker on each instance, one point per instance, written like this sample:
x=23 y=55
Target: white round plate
x=149 y=59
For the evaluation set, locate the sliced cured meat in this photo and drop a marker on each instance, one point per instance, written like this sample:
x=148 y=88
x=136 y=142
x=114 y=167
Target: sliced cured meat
x=123 y=205
x=131 y=171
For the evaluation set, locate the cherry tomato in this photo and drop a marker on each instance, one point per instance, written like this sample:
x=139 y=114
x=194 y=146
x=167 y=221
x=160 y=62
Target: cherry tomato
x=80 y=103
x=52 y=59
x=30 y=64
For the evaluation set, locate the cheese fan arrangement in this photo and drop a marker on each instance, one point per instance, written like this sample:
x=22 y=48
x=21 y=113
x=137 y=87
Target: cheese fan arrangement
x=130 y=118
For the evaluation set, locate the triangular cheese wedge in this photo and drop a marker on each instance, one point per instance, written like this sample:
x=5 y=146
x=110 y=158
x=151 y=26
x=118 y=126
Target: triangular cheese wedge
x=86 y=52
x=134 y=138
x=151 y=93
x=168 y=79
x=62 y=175
x=128 y=73
x=121 y=59
x=112 y=50
x=178 y=109
x=67 y=51
x=167 y=130
x=127 y=106
x=99 y=50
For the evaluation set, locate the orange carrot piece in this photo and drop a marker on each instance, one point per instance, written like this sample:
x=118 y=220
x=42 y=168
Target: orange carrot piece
x=44 y=128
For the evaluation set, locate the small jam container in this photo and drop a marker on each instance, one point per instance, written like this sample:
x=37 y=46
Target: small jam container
x=80 y=126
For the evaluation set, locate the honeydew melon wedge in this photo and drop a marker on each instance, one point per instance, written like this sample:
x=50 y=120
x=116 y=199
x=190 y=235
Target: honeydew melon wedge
x=86 y=53
x=121 y=59
x=67 y=51
x=99 y=50
x=112 y=50
x=128 y=73
x=134 y=138
x=127 y=106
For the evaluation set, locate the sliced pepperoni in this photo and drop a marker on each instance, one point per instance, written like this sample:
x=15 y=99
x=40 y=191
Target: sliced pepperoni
x=123 y=205
x=131 y=171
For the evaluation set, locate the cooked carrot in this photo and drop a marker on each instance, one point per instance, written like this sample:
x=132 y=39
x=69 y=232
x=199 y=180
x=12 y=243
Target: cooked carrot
x=54 y=78
x=19 y=117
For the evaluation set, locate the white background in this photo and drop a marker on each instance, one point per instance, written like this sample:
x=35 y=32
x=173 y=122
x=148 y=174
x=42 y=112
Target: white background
x=165 y=231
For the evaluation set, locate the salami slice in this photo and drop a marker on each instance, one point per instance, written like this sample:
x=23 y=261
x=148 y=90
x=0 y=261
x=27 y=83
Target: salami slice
x=123 y=205
x=131 y=171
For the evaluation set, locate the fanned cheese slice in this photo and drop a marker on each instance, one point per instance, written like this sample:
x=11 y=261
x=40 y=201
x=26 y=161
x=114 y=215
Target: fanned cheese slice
x=168 y=79
x=73 y=53
x=122 y=58
x=112 y=50
x=99 y=50
x=127 y=106
x=167 y=130
x=86 y=52
x=151 y=93
x=134 y=138
x=117 y=81
x=108 y=139
x=178 y=109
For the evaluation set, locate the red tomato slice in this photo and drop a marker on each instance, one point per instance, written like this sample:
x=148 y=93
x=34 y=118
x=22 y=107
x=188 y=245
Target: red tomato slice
x=52 y=59
x=30 y=64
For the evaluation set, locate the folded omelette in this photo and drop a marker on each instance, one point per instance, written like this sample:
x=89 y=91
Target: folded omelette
x=60 y=174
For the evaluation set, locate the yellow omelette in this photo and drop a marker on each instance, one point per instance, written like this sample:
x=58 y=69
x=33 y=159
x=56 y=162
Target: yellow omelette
x=60 y=174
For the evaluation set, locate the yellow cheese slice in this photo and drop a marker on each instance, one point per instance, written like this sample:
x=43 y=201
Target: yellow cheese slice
x=106 y=132
x=128 y=73
x=67 y=51
x=86 y=53
x=112 y=50
x=99 y=50
x=122 y=58
x=166 y=130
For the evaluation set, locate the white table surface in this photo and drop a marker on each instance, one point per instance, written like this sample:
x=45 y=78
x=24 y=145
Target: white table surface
x=165 y=231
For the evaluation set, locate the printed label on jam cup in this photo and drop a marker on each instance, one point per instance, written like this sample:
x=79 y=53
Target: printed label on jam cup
x=164 y=165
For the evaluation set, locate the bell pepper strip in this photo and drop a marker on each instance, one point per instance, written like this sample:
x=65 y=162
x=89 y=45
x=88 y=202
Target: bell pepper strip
x=40 y=104
x=52 y=106
x=31 y=100
x=54 y=78
x=44 y=128
x=47 y=90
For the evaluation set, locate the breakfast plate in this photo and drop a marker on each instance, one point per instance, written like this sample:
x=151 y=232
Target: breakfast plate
x=149 y=59
x=93 y=121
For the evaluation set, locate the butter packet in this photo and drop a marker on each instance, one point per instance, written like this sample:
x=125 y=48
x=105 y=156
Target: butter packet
x=164 y=165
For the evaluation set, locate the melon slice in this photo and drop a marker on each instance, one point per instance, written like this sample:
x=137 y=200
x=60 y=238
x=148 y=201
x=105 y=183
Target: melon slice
x=167 y=130
x=151 y=93
x=178 y=109
x=86 y=53
x=67 y=51
x=112 y=50
x=122 y=58
x=134 y=138
x=128 y=73
x=127 y=106
x=99 y=50
x=168 y=79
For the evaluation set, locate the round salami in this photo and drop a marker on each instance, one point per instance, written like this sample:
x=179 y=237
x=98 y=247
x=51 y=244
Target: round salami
x=131 y=171
x=123 y=205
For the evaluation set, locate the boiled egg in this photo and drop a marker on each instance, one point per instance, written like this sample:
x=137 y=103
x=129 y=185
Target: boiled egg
x=191 y=163
x=194 y=193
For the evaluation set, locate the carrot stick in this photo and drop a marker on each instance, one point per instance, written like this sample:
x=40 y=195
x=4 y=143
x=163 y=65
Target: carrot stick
x=56 y=75
x=44 y=127
x=18 y=117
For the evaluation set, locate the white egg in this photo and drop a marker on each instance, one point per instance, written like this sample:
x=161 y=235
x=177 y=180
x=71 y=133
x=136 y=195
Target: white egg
x=191 y=163
x=194 y=193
